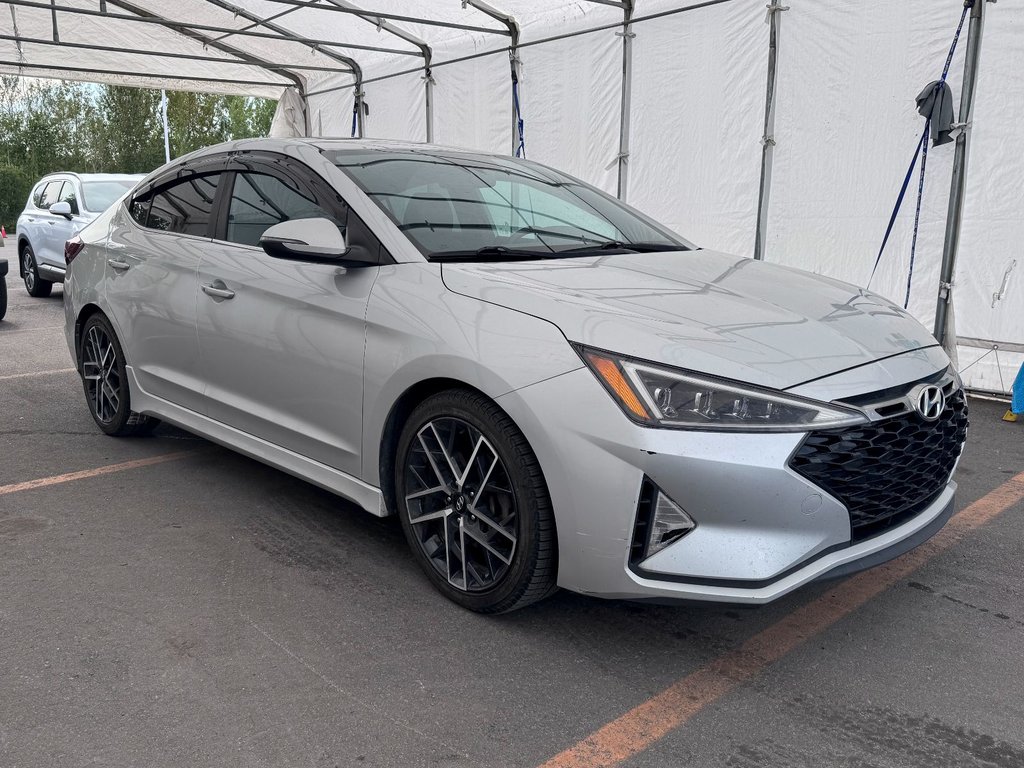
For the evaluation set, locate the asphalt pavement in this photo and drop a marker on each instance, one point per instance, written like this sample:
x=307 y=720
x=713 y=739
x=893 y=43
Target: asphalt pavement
x=202 y=609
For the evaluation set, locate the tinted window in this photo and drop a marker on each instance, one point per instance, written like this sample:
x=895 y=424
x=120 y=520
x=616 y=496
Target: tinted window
x=258 y=201
x=50 y=195
x=100 y=195
x=138 y=209
x=183 y=206
x=68 y=196
x=457 y=204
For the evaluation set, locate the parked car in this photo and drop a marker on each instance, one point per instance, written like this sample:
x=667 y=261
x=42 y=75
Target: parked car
x=59 y=206
x=546 y=386
x=3 y=287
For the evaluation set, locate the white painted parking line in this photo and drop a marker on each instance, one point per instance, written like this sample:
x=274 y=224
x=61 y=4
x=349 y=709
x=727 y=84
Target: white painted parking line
x=34 y=374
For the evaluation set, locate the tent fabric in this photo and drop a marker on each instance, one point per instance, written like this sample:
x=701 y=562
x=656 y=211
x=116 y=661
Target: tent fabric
x=845 y=115
x=290 y=117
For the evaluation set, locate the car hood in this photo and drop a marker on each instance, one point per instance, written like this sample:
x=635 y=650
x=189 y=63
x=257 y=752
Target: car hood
x=701 y=310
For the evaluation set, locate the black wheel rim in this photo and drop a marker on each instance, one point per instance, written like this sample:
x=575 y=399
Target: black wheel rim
x=101 y=374
x=30 y=271
x=460 y=504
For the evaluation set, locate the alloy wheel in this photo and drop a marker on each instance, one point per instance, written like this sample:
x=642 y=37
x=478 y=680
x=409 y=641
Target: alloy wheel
x=30 y=271
x=460 y=504
x=101 y=374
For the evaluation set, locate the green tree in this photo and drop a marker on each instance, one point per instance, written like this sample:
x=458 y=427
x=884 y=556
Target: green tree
x=131 y=130
x=48 y=126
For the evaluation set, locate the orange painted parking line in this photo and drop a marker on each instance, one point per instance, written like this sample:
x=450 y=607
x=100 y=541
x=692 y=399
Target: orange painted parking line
x=655 y=718
x=36 y=373
x=86 y=473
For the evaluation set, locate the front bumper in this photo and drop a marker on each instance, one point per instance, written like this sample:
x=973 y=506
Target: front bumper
x=762 y=529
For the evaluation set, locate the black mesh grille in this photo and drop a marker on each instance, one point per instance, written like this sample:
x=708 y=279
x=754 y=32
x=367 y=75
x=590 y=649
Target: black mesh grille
x=888 y=471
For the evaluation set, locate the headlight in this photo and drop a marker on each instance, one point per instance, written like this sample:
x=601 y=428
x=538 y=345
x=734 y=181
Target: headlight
x=665 y=397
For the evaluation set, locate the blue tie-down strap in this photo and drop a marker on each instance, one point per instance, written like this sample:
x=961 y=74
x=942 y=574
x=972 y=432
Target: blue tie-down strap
x=521 y=143
x=935 y=97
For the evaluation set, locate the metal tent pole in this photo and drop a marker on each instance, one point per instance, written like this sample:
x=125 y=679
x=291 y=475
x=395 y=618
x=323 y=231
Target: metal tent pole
x=428 y=92
x=775 y=9
x=627 y=35
x=954 y=218
x=167 y=129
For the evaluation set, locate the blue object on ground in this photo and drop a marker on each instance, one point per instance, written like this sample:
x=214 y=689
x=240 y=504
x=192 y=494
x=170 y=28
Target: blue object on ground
x=1017 y=406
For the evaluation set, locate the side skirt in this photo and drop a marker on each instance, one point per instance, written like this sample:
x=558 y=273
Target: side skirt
x=365 y=495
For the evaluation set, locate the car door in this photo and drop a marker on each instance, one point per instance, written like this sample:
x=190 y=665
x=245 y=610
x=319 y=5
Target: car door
x=282 y=341
x=42 y=236
x=153 y=253
x=60 y=229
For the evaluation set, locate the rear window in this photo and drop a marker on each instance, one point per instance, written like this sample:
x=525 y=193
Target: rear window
x=100 y=195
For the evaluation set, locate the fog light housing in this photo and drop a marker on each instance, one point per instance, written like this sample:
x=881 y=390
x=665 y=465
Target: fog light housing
x=659 y=522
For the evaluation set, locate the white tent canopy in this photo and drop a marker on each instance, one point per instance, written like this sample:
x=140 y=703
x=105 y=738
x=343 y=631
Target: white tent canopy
x=667 y=110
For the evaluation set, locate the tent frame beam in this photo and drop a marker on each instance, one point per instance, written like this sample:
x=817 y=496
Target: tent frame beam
x=166 y=54
x=142 y=13
x=124 y=73
x=312 y=43
x=382 y=24
x=376 y=17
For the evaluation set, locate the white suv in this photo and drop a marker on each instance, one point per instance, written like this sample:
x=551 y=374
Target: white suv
x=59 y=206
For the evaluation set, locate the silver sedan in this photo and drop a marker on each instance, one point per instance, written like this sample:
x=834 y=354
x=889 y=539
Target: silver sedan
x=546 y=386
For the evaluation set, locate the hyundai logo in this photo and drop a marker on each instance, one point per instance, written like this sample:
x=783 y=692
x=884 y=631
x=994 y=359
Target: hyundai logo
x=930 y=402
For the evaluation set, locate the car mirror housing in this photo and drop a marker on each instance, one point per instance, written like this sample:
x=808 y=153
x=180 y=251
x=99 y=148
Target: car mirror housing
x=63 y=208
x=313 y=240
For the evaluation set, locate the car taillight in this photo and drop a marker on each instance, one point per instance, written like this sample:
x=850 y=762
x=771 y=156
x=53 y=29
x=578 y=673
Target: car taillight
x=72 y=248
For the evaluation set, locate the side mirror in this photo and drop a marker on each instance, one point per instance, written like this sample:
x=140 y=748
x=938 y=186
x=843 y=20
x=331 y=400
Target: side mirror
x=63 y=208
x=314 y=240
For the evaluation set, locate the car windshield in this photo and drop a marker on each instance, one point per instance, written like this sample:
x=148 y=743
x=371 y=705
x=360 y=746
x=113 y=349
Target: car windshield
x=100 y=195
x=461 y=206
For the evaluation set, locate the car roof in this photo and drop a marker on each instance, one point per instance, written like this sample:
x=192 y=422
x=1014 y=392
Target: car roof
x=332 y=143
x=94 y=176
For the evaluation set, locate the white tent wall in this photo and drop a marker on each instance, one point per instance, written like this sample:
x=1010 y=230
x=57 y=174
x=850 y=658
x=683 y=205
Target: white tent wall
x=993 y=225
x=698 y=106
x=846 y=128
x=571 y=91
x=397 y=109
x=472 y=104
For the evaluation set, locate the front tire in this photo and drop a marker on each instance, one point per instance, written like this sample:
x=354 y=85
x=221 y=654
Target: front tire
x=106 y=382
x=3 y=297
x=473 y=504
x=34 y=284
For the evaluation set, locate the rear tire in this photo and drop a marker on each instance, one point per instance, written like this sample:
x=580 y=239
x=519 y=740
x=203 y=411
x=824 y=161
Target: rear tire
x=3 y=297
x=473 y=504
x=105 y=381
x=34 y=284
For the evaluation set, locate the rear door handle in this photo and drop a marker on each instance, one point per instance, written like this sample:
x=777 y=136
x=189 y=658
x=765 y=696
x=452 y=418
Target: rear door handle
x=118 y=264
x=218 y=290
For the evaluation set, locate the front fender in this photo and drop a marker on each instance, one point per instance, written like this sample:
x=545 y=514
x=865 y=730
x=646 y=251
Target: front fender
x=417 y=330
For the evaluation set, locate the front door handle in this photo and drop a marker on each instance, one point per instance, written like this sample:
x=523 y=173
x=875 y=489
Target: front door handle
x=218 y=290
x=119 y=265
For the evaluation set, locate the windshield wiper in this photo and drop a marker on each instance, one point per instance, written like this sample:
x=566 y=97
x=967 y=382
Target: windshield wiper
x=618 y=245
x=492 y=253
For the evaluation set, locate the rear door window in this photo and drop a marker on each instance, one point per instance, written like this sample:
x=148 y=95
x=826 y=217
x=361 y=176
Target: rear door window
x=184 y=206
